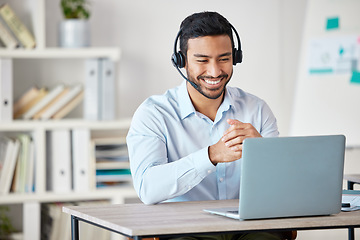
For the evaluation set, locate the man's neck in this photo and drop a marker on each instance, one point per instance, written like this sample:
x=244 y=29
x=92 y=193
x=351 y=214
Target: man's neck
x=204 y=105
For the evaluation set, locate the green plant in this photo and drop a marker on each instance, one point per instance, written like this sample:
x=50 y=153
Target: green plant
x=5 y=224
x=75 y=9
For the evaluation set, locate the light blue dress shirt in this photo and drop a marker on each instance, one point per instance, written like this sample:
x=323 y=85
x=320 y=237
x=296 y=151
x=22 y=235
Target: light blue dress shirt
x=168 y=146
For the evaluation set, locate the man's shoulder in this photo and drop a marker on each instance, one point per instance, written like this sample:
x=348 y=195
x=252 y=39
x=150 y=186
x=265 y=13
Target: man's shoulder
x=167 y=98
x=155 y=104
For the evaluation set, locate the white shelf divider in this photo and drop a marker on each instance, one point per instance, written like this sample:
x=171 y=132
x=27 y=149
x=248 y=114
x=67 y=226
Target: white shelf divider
x=113 y=53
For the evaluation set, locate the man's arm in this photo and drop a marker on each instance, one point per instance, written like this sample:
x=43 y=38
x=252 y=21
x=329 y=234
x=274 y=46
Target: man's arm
x=155 y=178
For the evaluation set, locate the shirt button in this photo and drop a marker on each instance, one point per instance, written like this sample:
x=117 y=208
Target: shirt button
x=221 y=179
x=209 y=171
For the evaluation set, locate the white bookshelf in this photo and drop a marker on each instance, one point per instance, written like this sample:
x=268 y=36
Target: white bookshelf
x=33 y=14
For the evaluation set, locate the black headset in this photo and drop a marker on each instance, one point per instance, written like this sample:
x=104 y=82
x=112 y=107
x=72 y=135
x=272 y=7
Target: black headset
x=178 y=58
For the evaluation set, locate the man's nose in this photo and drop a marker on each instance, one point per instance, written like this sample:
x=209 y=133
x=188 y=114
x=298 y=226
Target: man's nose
x=214 y=69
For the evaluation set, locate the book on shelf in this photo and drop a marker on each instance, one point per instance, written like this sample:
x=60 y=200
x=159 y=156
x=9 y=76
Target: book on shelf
x=51 y=103
x=23 y=100
x=17 y=26
x=73 y=92
x=6 y=36
x=21 y=165
x=43 y=104
x=65 y=110
x=111 y=162
x=46 y=100
x=7 y=172
x=3 y=146
x=111 y=149
x=30 y=171
x=40 y=94
x=23 y=179
x=113 y=175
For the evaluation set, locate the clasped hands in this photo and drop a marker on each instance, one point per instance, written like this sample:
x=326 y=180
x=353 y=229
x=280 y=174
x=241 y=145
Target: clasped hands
x=229 y=147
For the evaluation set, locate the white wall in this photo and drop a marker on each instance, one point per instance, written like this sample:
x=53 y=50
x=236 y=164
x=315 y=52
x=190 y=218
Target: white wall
x=270 y=33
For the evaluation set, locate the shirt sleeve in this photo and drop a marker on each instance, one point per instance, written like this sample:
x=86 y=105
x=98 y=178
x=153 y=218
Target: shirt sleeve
x=269 y=126
x=155 y=178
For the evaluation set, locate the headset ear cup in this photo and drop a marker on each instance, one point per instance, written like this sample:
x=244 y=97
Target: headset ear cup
x=178 y=59
x=181 y=59
x=237 y=56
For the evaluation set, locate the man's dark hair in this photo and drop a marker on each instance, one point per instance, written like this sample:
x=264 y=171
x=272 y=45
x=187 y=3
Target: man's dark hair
x=203 y=24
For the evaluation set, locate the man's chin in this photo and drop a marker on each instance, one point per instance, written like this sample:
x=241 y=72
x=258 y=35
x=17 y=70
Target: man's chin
x=211 y=94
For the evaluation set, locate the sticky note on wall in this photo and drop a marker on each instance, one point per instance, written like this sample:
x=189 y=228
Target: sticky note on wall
x=355 y=77
x=332 y=23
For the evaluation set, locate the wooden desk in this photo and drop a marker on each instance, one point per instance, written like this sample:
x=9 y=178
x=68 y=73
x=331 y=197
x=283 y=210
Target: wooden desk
x=183 y=218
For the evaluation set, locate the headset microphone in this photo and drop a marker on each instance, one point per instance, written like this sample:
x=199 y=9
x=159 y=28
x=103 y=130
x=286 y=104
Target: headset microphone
x=178 y=58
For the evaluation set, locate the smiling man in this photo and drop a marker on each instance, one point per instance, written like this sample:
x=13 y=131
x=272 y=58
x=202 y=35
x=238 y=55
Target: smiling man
x=186 y=144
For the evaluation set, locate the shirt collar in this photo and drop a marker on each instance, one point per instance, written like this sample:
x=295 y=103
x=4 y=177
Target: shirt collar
x=187 y=108
x=225 y=105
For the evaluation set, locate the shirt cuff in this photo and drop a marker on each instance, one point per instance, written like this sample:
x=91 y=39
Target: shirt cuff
x=202 y=163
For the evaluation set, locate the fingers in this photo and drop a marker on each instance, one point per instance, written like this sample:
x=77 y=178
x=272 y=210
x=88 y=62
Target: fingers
x=229 y=147
x=237 y=133
x=220 y=153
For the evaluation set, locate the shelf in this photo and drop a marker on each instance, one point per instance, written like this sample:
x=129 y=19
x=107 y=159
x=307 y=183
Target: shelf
x=122 y=192
x=112 y=53
x=30 y=125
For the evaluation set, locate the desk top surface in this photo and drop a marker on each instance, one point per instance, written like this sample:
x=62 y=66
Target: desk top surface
x=189 y=217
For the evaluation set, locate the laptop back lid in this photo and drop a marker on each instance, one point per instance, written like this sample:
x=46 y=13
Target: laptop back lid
x=291 y=176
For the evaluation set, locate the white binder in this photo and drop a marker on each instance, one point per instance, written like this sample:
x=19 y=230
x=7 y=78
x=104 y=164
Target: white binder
x=6 y=89
x=59 y=157
x=92 y=92
x=81 y=159
x=107 y=88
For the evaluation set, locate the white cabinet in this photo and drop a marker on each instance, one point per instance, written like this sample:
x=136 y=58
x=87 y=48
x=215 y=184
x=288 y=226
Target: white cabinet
x=33 y=14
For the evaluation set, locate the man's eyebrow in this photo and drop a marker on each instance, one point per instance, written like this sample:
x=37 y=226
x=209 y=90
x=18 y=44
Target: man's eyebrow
x=206 y=56
x=200 y=55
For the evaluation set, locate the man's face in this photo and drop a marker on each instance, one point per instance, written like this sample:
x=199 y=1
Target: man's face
x=209 y=64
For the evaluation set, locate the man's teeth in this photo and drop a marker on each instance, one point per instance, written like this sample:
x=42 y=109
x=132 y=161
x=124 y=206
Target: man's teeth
x=212 y=82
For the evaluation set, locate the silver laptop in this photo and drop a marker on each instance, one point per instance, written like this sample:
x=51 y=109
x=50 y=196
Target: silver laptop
x=288 y=177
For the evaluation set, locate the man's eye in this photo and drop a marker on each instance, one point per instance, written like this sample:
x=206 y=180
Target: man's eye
x=224 y=59
x=201 y=60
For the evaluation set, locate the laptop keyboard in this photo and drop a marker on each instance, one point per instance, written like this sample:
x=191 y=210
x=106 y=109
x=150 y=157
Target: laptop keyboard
x=234 y=212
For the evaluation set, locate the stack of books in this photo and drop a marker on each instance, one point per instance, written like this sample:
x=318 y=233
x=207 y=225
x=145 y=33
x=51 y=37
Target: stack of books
x=13 y=32
x=112 y=162
x=47 y=104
